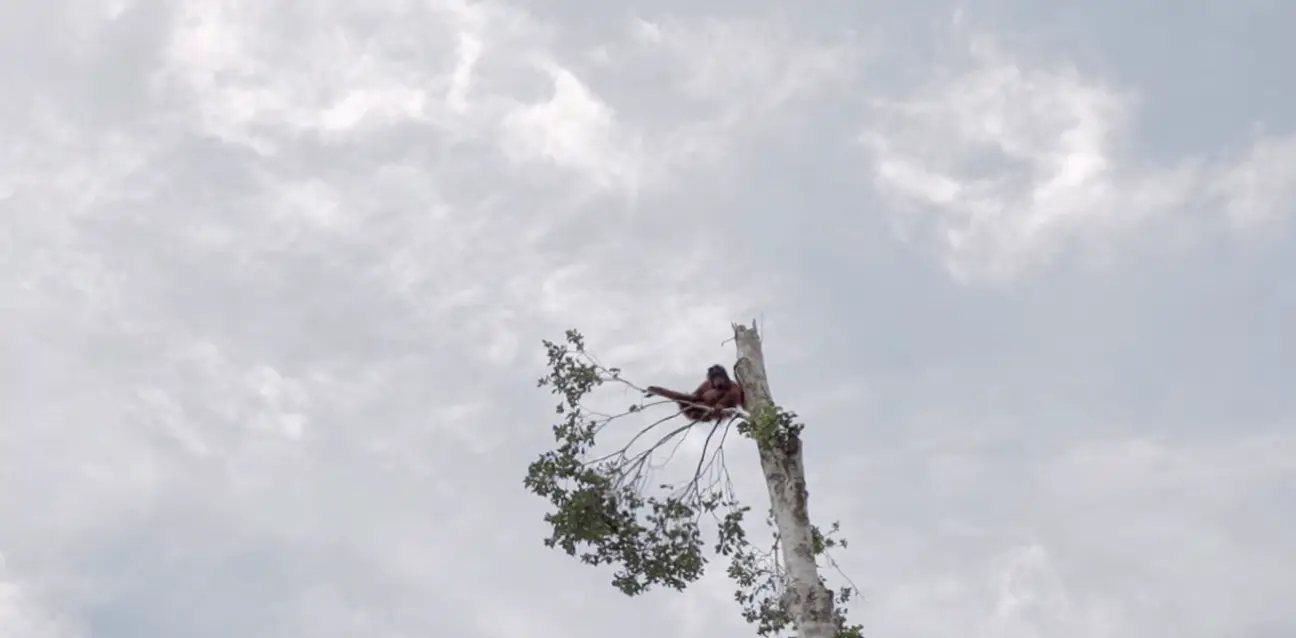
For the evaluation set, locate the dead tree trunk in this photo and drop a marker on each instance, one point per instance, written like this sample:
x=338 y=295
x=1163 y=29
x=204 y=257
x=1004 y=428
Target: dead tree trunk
x=808 y=600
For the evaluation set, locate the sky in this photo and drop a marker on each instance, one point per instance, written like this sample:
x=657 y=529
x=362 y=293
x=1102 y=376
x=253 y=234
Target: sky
x=274 y=277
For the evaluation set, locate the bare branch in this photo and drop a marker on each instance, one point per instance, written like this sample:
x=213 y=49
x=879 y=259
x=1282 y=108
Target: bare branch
x=640 y=434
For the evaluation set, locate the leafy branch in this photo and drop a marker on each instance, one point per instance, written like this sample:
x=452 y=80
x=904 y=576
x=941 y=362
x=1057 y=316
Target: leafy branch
x=607 y=509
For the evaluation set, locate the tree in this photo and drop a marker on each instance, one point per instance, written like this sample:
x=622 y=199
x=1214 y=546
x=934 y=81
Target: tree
x=607 y=510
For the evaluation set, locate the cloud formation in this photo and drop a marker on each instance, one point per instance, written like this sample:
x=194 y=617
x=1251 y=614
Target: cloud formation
x=1017 y=160
x=275 y=275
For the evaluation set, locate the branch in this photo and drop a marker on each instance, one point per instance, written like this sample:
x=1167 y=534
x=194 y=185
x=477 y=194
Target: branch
x=602 y=511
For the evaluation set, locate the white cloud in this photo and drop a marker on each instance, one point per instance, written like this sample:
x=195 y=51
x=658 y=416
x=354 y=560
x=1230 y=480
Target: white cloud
x=470 y=50
x=1007 y=162
x=574 y=130
x=751 y=66
x=1014 y=591
x=250 y=85
x=1032 y=601
x=731 y=78
x=21 y=616
x=1128 y=469
x=293 y=388
x=1119 y=536
x=1260 y=187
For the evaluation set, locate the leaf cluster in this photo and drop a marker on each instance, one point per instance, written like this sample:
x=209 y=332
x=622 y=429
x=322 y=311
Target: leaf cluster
x=600 y=512
x=603 y=513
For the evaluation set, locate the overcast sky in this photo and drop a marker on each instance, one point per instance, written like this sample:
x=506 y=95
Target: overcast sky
x=274 y=276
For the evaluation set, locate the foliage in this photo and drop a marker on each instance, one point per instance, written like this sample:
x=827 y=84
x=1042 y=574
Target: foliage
x=604 y=513
x=772 y=427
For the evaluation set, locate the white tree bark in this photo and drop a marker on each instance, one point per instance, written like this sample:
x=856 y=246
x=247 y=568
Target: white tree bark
x=810 y=603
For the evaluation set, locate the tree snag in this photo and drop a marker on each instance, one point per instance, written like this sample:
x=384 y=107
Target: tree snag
x=809 y=602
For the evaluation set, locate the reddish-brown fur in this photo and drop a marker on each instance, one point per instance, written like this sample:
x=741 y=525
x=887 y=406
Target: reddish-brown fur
x=716 y=395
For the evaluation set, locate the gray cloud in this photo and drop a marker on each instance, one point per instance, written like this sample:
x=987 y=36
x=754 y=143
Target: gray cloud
x=274 y=278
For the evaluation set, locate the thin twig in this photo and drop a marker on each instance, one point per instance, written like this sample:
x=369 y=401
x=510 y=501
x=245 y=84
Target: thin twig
x=697 y=473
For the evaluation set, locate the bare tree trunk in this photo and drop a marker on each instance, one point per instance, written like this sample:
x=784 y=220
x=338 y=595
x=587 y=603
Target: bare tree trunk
x=810 y=604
